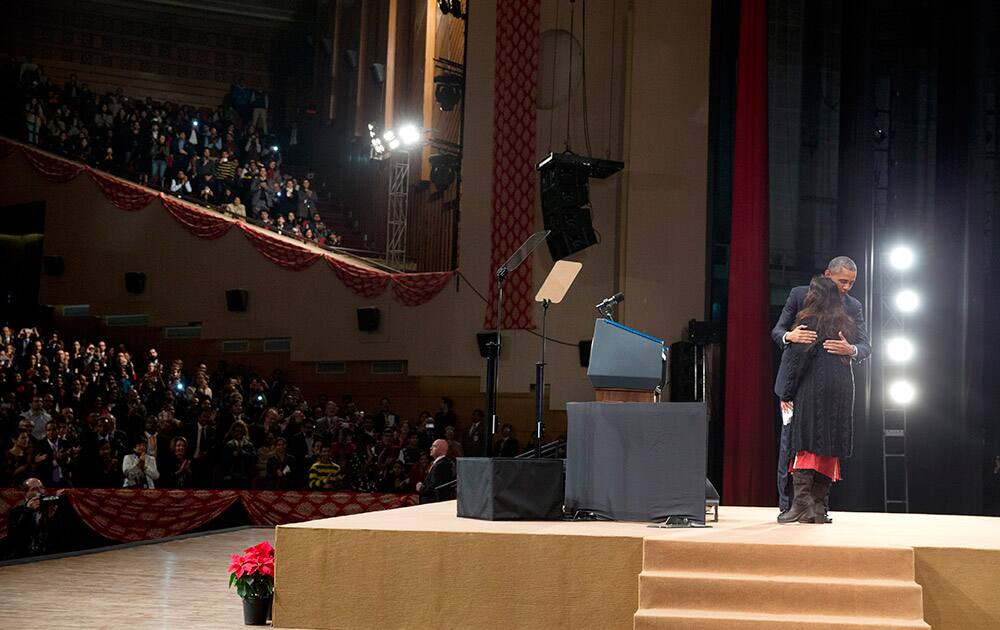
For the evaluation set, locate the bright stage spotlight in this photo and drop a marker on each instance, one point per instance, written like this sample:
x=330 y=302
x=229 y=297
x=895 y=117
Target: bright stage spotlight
x=901 y=257
x=899 y=349
x=907 y=301
x=410 y=134
x=902 y=392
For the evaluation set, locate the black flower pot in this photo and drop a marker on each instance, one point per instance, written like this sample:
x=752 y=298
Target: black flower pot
x=256 y=610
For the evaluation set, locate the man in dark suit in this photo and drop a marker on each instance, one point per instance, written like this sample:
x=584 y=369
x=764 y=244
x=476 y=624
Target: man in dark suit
x=442 y=471
x=843 y=271
x=201 y=438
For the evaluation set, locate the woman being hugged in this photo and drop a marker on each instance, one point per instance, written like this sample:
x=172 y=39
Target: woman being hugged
x=819 y=392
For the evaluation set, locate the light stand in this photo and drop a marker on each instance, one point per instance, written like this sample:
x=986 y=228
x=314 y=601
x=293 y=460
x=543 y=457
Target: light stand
x=493 y=348
x=552 y=291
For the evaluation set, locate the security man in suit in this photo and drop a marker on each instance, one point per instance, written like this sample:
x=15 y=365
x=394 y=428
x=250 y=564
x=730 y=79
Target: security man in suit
x=843 y=271
x=442 y=471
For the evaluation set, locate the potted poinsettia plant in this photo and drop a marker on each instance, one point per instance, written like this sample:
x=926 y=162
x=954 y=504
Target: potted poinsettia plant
x=252 y=573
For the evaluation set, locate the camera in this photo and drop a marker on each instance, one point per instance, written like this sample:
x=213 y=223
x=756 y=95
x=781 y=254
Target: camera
x=179 y=386
x=260 y=398
x=48 y=500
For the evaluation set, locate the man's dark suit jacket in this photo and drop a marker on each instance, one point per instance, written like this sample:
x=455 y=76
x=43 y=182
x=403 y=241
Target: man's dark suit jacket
x=441 y=473
x=795 y=302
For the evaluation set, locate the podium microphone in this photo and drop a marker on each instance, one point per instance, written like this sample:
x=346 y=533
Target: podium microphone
x=611 y=301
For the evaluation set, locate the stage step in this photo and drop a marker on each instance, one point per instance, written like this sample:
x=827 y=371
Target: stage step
x=671 y=619
x=686 y=584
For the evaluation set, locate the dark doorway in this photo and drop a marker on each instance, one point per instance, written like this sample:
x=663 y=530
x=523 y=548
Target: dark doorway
x=22 y=227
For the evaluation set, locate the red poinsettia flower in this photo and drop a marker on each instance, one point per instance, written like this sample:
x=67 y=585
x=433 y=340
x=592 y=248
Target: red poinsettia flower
x=236 y=566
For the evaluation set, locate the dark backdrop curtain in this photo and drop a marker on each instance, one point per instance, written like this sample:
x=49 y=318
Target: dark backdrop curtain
x=749 y=459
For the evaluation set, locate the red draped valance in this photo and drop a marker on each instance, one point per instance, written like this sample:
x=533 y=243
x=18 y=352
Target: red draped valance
x=410 y=289
x=129 y=515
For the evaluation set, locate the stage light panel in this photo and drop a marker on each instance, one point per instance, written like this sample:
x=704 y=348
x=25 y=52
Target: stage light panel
x=907 y=301
x=902 y=392
x=901 y=257
x=409 y=134
x=899 y=349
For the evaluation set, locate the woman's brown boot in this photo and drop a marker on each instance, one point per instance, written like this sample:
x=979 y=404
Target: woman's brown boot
x=802 y=503
x=820 y=489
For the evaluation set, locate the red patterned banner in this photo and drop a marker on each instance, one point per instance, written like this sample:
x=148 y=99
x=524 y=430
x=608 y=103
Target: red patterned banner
x=514 y=181
x=288 y=255
x=410 y=289
x=128 y=515
x=124 y=195
x=417 y=288
x=195 y=220
x=365 y=282
x=278 y=508
x=52 y=168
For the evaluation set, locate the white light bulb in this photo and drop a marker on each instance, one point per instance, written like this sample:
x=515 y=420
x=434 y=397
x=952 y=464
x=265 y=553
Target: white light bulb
x=901 y=257
x=899 y=349
x=907 y=301
x=409 y=134
x=902 y=392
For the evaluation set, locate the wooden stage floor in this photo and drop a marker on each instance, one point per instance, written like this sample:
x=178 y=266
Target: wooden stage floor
x=558 y=568
x=377 y=563
x=175 y=584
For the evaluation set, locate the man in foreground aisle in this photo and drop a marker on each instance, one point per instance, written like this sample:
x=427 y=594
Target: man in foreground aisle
x=843 y=271
x=442 y=471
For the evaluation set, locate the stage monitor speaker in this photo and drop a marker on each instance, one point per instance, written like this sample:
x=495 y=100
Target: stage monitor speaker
x=53 y=265
x=510 y=489
x=584 y=349
x=484 y=338
x=368 y=318
x=135 y=281
x=237 y=299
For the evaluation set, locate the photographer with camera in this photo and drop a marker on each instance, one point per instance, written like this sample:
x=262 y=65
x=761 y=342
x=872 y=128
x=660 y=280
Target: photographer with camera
x=35 y=527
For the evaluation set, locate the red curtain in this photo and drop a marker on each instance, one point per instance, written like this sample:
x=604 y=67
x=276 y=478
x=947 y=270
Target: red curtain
x=750 y=459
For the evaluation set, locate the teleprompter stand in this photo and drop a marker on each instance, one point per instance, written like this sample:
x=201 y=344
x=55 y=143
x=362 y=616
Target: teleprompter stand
x=553 y=290
x=493 y=348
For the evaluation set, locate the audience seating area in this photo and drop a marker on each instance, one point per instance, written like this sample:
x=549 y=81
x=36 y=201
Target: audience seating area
x=226 y=158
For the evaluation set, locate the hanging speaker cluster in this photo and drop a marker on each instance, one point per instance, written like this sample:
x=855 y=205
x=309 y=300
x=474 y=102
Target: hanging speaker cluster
x=566 y=211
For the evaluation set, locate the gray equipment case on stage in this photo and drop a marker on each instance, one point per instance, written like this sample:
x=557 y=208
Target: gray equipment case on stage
x=636 y=461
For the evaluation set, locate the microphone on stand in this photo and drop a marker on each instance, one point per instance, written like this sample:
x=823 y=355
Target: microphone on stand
x=611 y=301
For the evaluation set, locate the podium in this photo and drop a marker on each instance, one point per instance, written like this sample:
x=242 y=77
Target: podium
x=626 y=365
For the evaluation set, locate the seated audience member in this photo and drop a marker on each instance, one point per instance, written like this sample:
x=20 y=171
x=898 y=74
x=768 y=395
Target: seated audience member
x=38 y=416
x=441 y=472
x=236 y=207
x=281 y=467
x=138 y=467
x=201 y=438
x=324 y=474
x=19 y=460
x=505 y=444
x=180 y=185
x=208 y=190
x=177 y=468
x=445 y=417
x=53 y=457
x=395 y=479
x=454 y=446
x=264 y=453
x=410 y=453
x=37 y=526
x=108 y=472
x=239 y=457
